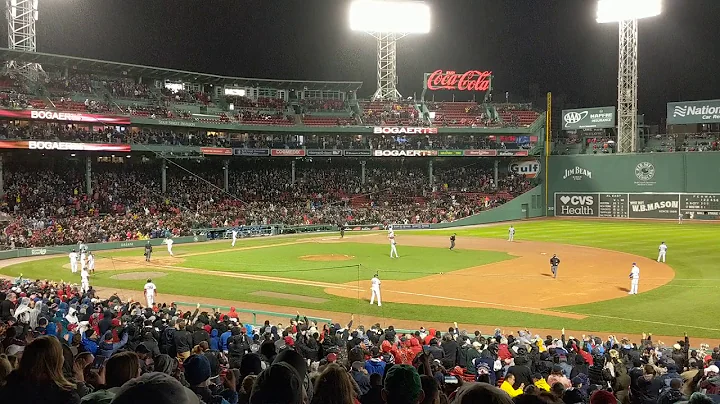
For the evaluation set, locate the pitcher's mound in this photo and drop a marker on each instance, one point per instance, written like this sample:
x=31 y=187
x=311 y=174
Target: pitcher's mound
x=327 y=257
x=135 y=276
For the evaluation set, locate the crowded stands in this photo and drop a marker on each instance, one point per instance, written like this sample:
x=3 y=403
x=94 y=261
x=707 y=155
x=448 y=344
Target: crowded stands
x=49 y=206
x=60 y=345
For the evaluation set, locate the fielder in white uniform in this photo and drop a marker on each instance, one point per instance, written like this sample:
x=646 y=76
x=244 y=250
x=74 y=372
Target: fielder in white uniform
x=234 y=237
x=73 y=261
x=680 y=218
x=91 y=262
x=150 y=292
x=511 y=234
x=83 y=260
x=634 y=279
x=393 y=248
x=375 y=289
x=661 y=252
x=84 y=280
x=169 y=243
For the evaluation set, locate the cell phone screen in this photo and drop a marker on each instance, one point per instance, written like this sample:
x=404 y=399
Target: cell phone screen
x=451 y=380
x=99 y=362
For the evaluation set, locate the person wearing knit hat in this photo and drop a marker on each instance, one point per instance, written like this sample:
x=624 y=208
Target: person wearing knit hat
x=197 y=369
x=402 y=385
x=279 y=383
x=156 y=388
x=603 y=397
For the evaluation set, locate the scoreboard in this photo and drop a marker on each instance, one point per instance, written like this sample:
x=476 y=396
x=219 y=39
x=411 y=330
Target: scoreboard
x=637 y=205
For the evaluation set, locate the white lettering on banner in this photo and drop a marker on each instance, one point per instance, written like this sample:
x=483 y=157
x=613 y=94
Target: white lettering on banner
x=398 y=130
x=36 y=145
x=529 y=168
x=56 y=116
x=38 y=251
x=404 y=153
x=641 y=206
x=577 y=173
x=577 y=200
x=577 y=211
x=688 y=110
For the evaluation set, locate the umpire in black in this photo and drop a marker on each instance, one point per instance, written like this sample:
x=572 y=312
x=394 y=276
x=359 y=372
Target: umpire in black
x=554 y=262
x=452 y=241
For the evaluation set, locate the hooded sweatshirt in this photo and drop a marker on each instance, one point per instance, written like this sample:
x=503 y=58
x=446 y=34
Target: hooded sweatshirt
x=215 y=340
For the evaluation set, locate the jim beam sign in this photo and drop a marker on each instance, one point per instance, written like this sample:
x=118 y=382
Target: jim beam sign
x=577 y=173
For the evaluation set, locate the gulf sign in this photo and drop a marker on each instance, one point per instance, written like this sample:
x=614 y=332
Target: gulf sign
x=528 y=168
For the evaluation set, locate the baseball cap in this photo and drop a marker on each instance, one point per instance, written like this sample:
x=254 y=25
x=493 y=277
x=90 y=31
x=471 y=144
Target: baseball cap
x=402 y=381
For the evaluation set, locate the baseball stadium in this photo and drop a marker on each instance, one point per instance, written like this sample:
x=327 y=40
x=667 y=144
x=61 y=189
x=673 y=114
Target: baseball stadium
x=260 y=202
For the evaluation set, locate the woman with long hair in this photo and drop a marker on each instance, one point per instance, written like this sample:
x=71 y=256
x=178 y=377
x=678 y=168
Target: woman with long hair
x=39 y=376
x=333 y=386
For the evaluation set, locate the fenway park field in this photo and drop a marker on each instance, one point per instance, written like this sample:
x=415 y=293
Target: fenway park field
x=485 y=282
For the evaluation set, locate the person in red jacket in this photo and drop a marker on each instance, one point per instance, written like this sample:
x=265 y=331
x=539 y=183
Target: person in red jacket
x=232 y=313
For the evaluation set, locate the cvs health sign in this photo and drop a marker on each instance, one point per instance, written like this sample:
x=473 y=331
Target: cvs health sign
x=576 y=204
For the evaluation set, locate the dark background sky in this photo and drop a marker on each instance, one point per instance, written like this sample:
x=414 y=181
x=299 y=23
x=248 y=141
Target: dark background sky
x=532 y=46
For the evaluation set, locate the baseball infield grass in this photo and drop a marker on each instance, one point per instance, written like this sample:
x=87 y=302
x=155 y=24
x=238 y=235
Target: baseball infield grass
x=682 y=305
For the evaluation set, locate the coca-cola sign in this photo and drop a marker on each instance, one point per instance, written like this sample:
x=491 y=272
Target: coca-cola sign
x=471 y=80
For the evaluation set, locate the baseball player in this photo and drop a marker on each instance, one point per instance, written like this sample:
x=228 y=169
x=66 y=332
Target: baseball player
x=169 y=243
x=234 y=237
x=73 y=261
x=680 y=218
x=634 y=279
x=375 y=289
x=661 y=252
x=511 y=233
x=342 y=231
x=150 y=291
x=91 y=263
x=148 y=251
x=84 y=280
x=393 y=247
x=452 y=241
x=83 y=260
x=554 y=262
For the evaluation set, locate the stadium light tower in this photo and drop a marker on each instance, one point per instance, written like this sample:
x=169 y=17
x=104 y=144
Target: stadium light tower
x=626 y=14
x=388 y=21
x=21 y=17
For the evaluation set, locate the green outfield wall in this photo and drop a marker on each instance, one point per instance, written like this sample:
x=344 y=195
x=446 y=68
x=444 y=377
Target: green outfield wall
x=528 y=205
x=642 y=186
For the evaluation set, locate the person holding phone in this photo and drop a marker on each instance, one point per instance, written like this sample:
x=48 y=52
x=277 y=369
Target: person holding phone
x=507 y=386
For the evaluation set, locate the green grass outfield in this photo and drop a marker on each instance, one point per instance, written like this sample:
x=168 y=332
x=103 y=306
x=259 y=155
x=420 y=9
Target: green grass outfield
x=682 y=305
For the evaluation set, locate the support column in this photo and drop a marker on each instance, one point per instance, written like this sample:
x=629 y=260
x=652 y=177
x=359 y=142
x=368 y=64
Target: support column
x=293 y=172
x=163 y=177
x=430 y=173
x=2 y=176
x=495 y=172
x=362 y=171
x=226 y=183
x=88 y=175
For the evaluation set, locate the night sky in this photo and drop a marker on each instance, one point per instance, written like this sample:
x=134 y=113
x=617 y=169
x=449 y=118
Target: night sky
x=532 y=46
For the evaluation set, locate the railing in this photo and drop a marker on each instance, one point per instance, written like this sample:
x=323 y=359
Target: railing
x=317 y=320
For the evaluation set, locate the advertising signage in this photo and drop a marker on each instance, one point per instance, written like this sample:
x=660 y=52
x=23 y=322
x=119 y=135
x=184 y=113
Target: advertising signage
x=689 y=112
x=471 y=80
x=251 y=152
x=405 y=153
x=637 y=205
x=287 y=152
x=357 y=153
x=69 y=146
x=588 y=118
x=324 y=153
x=402 y=130
x=44 y=115
x=480 y=153
x=216 y=151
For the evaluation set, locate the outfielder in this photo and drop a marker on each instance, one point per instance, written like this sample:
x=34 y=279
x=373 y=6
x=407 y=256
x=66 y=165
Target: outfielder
x=554 y=262
x=150 y=291
x=73 y=261
x=234 y=237
x=452 y=241
x=634 y=279
x=680 y=218
x=393 y=248
x=375 y=289
x=83 y=260
x=661 y=252
x=511 y=234
x=169 y=243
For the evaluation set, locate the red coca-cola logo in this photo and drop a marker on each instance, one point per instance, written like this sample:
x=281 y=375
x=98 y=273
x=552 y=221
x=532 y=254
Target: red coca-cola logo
x=471 y=80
